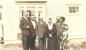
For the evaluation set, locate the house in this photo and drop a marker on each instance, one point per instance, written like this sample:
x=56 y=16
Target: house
x=12 y=10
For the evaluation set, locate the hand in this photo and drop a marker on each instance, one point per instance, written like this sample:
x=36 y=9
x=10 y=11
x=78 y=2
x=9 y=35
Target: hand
x=28 y=26
x=50 y=35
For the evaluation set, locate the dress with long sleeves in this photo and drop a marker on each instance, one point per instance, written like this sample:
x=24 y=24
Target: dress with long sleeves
x=52 y=41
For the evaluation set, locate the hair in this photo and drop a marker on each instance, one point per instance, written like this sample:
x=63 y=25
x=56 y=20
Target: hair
x=63 y=18
x=50 y=18
x=30 y=12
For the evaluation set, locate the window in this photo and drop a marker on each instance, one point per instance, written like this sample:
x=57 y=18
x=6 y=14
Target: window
x=39 y=13
x=29 y=12
x=73 y=9
x=33 y=12
x=21 y=13
x=40 y=7
x=31 y=7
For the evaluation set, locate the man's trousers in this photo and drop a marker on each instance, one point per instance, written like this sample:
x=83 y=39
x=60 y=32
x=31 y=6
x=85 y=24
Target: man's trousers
x=28 y=42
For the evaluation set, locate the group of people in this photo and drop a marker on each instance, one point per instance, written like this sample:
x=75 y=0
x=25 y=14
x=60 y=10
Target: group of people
x=50 y=35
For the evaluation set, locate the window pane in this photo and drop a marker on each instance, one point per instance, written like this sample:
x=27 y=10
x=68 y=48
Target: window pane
x=22 y=12
x=39 y=13
x=73 y=9
x=30 y=12
x=77 y=9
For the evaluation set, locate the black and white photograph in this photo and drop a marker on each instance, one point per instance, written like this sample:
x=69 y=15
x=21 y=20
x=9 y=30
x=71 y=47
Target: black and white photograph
x=42 y=25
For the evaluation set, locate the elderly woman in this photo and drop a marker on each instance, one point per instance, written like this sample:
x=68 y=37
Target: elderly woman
x=51 y=34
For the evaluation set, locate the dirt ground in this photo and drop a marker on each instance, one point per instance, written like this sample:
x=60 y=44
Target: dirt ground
x=19 y=47
x=11 y=47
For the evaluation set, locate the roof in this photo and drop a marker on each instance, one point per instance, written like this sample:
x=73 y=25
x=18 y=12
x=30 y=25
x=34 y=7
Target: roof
x=31 y=1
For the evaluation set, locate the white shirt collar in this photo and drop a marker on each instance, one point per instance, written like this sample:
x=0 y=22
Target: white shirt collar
x=34 y=24
x=50 y=26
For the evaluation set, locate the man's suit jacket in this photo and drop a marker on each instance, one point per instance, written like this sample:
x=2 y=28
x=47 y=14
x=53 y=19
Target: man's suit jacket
x=23 y=25
x=40 y=29
x=32 y=30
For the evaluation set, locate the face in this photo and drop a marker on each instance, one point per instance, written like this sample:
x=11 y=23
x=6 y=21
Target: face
x=41 y=19
x=26 y=14
x=60 y=20
x=57 y=20
x=33 y=18
x=50 y=21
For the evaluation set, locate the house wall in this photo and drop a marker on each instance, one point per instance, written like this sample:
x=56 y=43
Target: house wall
x=76 y=22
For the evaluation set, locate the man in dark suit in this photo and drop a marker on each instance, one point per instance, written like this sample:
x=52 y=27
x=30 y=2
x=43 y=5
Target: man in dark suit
x=28 y=32
x=25 y=29
x=58 y=26
x=40 y=31
x=33 y=32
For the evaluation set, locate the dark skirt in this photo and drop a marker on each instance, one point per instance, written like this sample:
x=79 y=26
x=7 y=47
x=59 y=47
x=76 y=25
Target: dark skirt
x=52 y=43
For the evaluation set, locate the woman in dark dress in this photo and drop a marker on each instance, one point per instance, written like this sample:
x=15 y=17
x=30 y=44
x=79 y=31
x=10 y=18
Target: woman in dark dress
x=52 y=36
